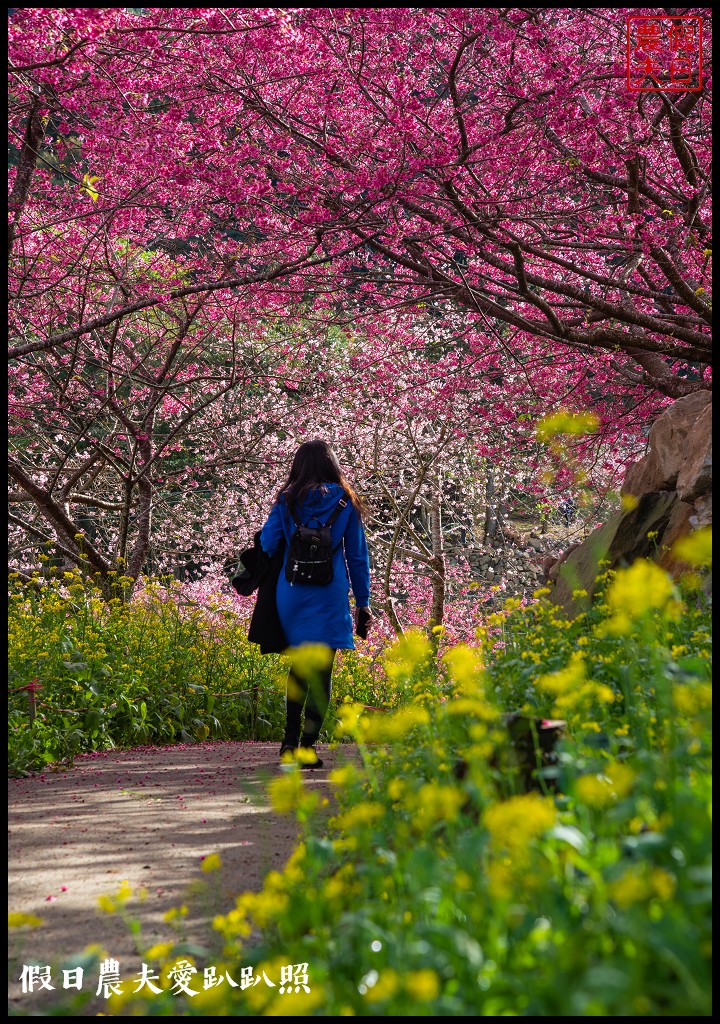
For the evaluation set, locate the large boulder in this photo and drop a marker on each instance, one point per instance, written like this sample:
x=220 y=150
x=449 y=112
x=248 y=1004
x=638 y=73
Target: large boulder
x=695 y=475
x=672 y=487
x=668 y=446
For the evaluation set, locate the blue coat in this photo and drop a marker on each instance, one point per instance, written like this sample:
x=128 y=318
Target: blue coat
x=321 y=614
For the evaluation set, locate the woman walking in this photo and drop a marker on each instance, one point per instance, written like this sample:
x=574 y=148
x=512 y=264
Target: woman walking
x=316 y=494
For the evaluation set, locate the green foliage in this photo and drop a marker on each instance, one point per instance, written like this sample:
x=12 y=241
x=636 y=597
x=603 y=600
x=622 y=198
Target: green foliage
x=441 y=891
x=157 y=670
x=160 y=669
x=449 y=884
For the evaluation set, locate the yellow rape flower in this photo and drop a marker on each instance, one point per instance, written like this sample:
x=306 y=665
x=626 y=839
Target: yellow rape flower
x=296 y=857
x=310 y=658
x=343 y=776
x=513 y=823
x=696 y=548
x=395 y=726
x=286 y=792
x=396 y=788
x=689 y=699
x=265 y=906
x=631 y=887
x=641 y=588
x=662 y=883
x=433 y=803
x=296 y=1004
x=639 y=884
x=604 y=789
x=360 y=815
x=174 y=913
x=19 y=920
x=465 y=666
x=211 y=862
x=110 y=904
x=349 y=717
x=160 y=951
x=211 y=1001
x=501 y=877
x=566 y=679
x=563 y=422
x=470 y=707
x=385 y=987
x=406 y=654
x=423 y=984
x=337 y=884
x=234 y=923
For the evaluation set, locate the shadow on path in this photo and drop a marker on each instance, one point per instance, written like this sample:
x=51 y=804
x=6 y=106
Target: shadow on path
x=147 y=816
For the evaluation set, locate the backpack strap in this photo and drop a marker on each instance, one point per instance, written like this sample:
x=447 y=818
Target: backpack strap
x=335 y=513
x=337 y=510
x=333 y=516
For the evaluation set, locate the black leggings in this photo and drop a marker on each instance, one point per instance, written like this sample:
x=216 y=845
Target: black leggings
x=312 y=693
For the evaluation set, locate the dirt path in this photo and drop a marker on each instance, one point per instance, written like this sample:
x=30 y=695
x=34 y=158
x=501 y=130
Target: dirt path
x=147 y=816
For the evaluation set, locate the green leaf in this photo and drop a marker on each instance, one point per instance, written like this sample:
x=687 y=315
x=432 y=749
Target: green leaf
x=570 y=835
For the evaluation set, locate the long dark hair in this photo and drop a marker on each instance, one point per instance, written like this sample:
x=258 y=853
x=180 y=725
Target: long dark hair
x=314 y=465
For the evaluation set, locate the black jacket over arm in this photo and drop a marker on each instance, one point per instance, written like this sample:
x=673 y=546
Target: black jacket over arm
x=261 y=574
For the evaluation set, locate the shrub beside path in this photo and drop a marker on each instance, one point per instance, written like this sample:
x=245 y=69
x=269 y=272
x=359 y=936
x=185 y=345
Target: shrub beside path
x=147 y=816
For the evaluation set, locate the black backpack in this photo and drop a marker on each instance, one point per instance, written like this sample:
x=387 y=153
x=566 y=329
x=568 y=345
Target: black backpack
x=310 y=552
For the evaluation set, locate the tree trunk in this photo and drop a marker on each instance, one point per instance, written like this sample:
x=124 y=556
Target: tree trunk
x=437 y=611
x=490 y=525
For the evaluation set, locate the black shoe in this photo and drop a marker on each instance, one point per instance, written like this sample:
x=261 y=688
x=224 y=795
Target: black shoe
x=286 y=750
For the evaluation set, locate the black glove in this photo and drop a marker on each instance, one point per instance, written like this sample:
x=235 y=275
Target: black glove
x=363 y=618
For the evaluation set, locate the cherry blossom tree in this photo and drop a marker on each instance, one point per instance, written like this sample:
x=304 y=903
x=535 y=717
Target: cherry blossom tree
x=475 y=189
x=105 y=440
x=492 y=159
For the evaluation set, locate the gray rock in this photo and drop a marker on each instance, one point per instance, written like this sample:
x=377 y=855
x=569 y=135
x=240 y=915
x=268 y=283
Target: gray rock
x=703 y=512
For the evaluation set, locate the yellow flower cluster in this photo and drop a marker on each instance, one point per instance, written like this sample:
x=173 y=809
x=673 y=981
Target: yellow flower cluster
x=423 y=984
x=341 y=883
x=310 y=658
x=692 y=698
x=602 y=790
x=696 y=548
x=288 y=794
x=359 y=816
x=211 y=862
x=514 y=823
x=638 y=884
x=635 y=592
x=573 y=691
x=111 y=904
x=20 y=920
x=465 y=668
x=261 y=907
x=175 y=914
x=343 y=776
x=470 y=707
x=434 y=802
x=562 y=422
x=408 y=653
x=389 y=727
x=349 y=718
x=295 y=1004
